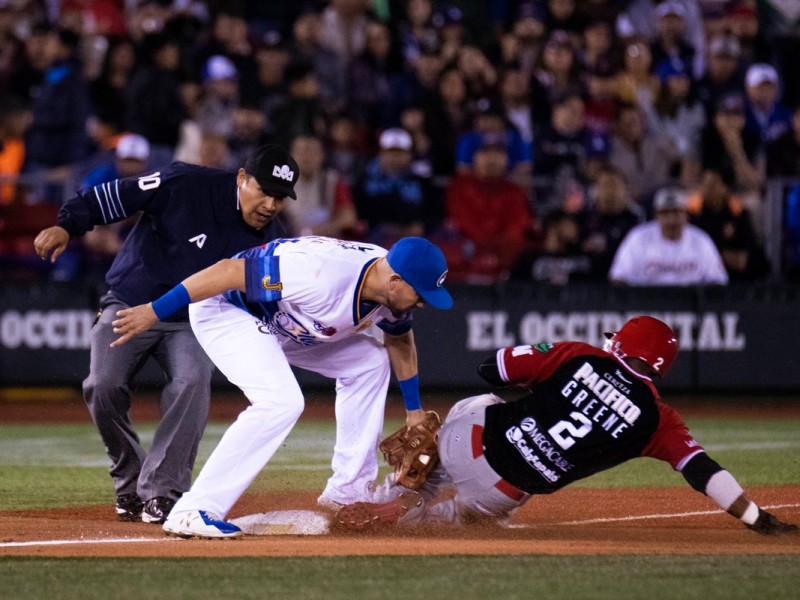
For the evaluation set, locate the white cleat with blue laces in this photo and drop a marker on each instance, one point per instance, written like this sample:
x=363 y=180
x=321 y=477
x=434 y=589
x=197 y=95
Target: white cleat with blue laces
x=200 y=524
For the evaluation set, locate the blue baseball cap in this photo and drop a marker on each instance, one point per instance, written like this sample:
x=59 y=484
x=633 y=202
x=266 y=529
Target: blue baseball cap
x=423 y=266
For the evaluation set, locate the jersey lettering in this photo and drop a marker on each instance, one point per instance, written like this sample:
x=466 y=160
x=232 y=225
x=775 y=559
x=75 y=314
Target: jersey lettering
x=150 y=182
x=565 y=441
x=200 y=240
x=521 y=350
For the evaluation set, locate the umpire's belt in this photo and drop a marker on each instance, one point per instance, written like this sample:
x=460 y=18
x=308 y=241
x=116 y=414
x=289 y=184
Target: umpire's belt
x=508 y=489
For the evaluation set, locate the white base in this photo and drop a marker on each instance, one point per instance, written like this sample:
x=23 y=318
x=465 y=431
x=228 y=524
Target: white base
x=284 y=522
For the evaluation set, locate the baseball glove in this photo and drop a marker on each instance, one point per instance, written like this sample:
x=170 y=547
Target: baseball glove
x=412 y=451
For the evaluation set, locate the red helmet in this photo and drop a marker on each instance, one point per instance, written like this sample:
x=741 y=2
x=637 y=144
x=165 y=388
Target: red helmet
x=645 y=338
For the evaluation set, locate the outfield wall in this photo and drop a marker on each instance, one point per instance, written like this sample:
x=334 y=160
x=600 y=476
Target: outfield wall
x=731 y=338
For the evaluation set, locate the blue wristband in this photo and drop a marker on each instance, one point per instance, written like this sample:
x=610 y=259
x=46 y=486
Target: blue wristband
x=410 y=390
x=171 y=302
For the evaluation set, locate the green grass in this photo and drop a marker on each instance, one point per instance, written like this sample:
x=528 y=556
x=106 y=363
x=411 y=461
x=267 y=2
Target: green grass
x=64 y=465
x=43 y=466
x=391 y=577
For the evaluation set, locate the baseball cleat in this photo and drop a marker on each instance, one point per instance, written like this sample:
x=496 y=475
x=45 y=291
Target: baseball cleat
x=157 y=509
x=128 y=507
x=368 y=516
x=200 y=524
x=329 y=504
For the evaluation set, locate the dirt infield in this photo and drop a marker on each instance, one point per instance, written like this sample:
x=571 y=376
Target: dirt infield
x=572 y=521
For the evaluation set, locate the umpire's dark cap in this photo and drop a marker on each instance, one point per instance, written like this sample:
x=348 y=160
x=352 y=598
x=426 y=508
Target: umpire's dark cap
x=275 y=171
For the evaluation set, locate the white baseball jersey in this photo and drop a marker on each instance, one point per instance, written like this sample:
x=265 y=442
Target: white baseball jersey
x=645 y=257
x=305 y=295
x=309 y=289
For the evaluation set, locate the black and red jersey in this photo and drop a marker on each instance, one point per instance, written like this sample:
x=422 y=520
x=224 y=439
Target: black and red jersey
x=587 y=411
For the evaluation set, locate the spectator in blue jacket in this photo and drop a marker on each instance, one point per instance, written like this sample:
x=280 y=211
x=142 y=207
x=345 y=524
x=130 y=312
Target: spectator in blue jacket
x=764 y=114
x=393 y=200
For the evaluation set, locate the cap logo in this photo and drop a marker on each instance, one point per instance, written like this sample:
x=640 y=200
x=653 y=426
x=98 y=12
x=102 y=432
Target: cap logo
x=440 y=281
x=283 y=172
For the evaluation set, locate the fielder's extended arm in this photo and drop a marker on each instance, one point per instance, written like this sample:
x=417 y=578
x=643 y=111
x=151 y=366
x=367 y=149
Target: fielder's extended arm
x=708 y=477
x=227 y=274
x=402 y=351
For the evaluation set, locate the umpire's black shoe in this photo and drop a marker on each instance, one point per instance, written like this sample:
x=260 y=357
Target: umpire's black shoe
x=156 y=510
x=129 y=507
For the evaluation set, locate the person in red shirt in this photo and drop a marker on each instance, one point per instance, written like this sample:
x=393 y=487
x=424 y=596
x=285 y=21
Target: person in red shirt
x=587 y=410
x=490 y=214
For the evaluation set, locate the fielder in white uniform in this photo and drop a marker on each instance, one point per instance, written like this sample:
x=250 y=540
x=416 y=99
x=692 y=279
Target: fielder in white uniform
x=306 y=302
x=668 y=250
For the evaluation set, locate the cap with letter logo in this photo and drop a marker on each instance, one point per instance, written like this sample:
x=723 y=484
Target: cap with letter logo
x=423 y=266
x=275 y=170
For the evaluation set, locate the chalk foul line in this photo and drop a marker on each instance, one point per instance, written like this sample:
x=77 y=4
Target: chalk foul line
x=85 y=541
x=511 y=526
x=679 y=515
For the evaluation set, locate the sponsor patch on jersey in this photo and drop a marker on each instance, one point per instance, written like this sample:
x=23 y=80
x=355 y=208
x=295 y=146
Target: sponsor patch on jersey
x=543 y=347
x=324 y=330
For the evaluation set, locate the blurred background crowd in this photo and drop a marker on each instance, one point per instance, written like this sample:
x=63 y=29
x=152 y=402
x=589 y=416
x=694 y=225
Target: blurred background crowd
x=528 y=138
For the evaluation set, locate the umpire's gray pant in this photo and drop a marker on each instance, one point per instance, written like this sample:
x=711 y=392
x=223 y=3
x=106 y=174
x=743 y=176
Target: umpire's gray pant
x=166 y=470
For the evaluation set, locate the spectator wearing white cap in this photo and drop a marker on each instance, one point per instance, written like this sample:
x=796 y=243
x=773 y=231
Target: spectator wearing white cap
x=90 y=256
x=131 y=158
x=392 y=199
x=668 y=250
x=764 y=113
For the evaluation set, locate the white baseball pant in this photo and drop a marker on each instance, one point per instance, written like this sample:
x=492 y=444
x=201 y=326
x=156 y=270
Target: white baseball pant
x=258 y=363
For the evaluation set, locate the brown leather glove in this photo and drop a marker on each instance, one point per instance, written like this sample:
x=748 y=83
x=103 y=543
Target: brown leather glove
x=412 y=451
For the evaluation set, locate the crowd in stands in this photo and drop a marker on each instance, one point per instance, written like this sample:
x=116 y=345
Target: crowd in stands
x=528 y=138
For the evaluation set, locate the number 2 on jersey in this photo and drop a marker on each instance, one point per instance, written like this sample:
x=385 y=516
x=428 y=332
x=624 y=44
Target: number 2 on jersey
x=567 y=441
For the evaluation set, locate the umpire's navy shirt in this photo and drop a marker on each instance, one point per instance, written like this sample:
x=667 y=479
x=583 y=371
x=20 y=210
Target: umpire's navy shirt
x=190 y=219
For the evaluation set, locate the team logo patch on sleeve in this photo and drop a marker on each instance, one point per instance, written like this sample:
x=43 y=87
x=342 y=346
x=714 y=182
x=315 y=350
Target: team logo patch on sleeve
x=543 y=347
x=268 y=285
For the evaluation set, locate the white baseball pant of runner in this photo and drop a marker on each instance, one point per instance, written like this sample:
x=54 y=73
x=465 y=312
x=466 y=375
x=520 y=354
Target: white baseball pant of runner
x=479 y=489
x=258 y=363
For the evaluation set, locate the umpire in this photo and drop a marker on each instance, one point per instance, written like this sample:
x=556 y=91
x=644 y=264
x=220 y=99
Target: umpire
x=191 y=217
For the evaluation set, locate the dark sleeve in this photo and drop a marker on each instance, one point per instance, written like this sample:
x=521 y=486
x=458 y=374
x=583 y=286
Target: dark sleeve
x=398 y=326
x=699 y=470
x=115 y=201
x=489 y=371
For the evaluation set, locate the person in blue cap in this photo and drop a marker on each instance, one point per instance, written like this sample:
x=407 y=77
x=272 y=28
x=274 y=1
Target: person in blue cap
x=309 y=302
